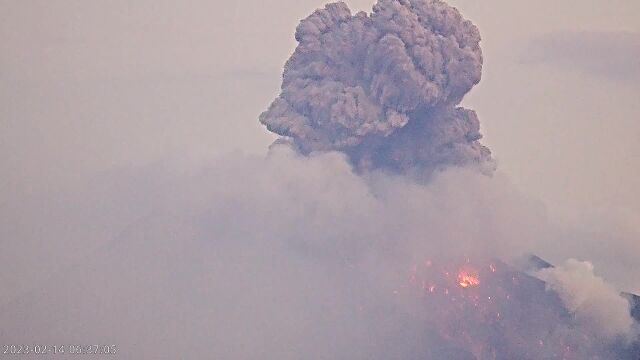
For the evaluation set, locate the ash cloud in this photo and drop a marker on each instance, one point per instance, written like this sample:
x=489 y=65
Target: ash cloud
x=384 y=87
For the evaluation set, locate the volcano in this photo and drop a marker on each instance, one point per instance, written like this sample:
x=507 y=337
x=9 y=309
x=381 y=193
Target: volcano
x=385 y=89
x=494 y=310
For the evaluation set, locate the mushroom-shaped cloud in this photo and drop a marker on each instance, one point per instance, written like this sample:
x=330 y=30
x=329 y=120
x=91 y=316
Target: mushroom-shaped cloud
x=384 y=87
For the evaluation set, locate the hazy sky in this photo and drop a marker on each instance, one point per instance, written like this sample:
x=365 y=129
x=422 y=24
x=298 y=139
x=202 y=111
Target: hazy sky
x=96 y=95
x=89 y=85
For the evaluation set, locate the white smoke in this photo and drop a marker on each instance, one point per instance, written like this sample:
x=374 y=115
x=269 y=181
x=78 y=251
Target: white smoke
x=590 y=298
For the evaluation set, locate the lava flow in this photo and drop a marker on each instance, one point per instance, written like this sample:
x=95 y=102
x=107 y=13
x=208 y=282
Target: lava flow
x=493 y=311
x=466 y=279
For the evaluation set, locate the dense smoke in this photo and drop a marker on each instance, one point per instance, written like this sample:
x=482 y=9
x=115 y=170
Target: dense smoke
x=284 y=257
x=287 y=257
x=384 y=87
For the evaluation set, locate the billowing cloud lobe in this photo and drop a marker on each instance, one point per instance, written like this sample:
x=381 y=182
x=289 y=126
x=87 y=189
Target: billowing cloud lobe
x=383 y=88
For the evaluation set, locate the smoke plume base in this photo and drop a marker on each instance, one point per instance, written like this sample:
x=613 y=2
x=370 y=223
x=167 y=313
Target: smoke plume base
x=491 y=310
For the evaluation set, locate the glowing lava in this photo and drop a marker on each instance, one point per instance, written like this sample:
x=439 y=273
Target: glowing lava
x=466 y=279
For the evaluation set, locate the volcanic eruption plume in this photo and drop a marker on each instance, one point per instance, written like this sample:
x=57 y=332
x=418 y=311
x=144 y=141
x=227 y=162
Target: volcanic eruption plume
x=383 y=88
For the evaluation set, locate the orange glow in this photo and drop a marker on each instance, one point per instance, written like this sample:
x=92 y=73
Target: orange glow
x=466 y=279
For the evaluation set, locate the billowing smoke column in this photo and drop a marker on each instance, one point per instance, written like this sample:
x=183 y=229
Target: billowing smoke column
x=383 y=88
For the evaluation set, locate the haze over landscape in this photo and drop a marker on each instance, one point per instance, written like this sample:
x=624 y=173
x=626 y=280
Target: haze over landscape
x=411 y=169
